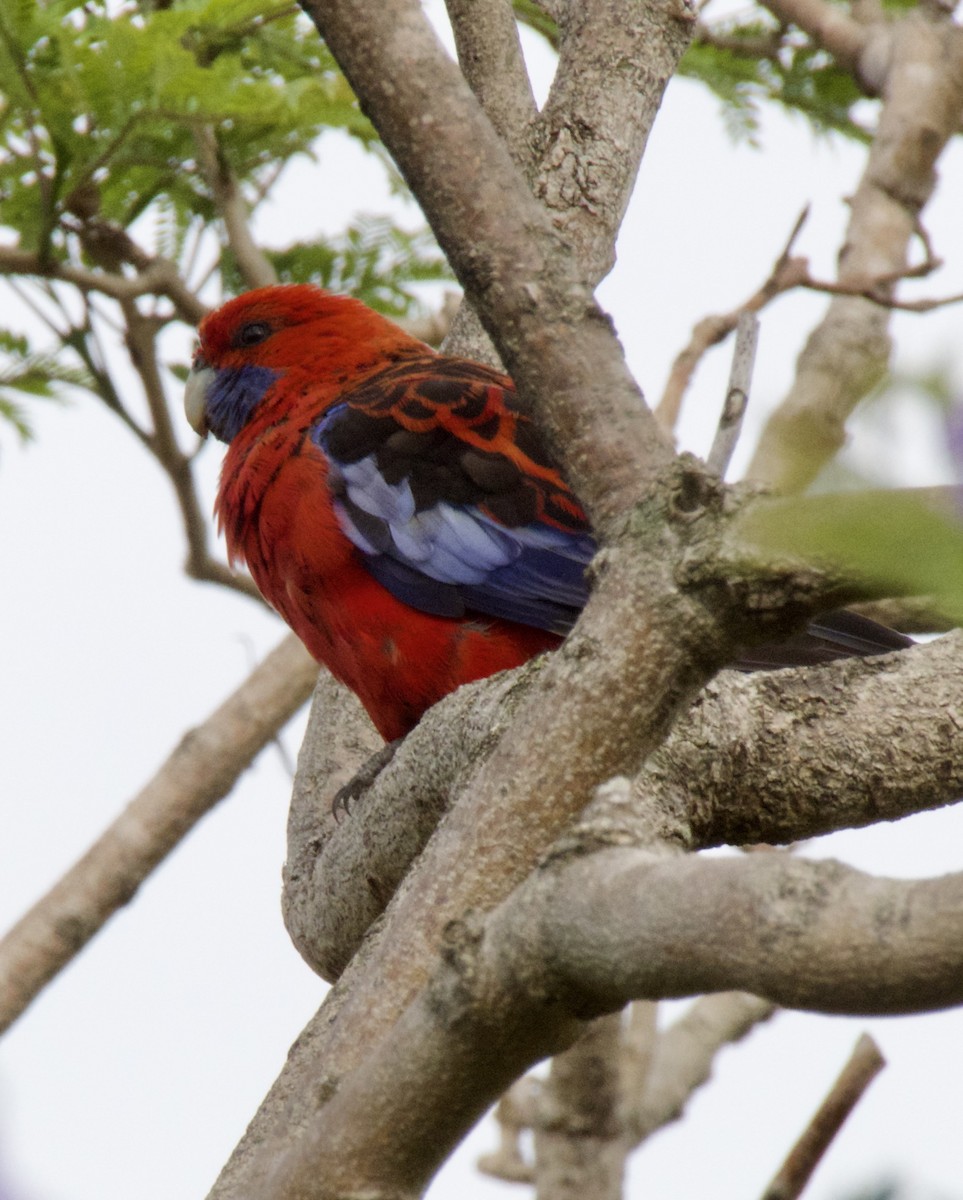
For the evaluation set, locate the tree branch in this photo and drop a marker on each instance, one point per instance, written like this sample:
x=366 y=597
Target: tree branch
x=814 y=935
x=529 y=294
x=581 y=937
x=141 y=338
x=847 y=353
x=252 y=262
x=685 y=1053
x=864 y=1065
x=828 y=26
x=781 y=757
x=155 y=277
x=201 y=771
x=490 y=56
x=580 y=1147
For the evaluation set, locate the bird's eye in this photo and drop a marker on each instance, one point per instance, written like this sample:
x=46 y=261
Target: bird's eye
x=252 y=334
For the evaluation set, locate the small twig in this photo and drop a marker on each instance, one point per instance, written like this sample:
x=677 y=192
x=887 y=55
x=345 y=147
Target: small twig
x=787 y=272
x=790 y=272
x=200 y=771
x=864 y=1065
x=737 y=394
x=870 y=291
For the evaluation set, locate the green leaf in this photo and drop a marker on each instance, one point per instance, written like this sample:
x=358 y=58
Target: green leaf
x=750 y=62
x=894 y=541
x=373 y=260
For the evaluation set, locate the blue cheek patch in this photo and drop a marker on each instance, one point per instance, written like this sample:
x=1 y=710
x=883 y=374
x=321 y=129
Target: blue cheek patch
x=233 y=397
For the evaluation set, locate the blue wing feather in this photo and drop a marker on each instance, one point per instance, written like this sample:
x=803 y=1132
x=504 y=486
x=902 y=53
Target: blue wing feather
x=454 y=559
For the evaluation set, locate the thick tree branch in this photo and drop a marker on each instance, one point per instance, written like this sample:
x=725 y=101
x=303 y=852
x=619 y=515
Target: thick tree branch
x=580 y=938
x=804 y=934
x=200 y=772
x=781 y=757
x=530 y=295
x=593 y=130
x=582 y=153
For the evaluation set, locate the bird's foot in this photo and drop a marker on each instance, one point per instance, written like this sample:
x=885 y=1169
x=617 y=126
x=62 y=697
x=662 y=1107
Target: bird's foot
x=363 y=779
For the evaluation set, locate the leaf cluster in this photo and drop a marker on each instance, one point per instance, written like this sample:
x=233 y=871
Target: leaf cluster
x=102 y=107
x=105 y=112
x=373 y=259
x=750 y=62
x=28 y=372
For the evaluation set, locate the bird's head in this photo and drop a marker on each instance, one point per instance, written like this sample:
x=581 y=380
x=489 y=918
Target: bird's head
x=247 y=344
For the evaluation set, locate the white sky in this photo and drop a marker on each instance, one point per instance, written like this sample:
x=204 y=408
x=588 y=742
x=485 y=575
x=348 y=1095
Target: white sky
x=136 y=1072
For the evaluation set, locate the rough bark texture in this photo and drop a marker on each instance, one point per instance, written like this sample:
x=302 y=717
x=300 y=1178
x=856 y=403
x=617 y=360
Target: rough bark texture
x=527 y=968
x=763 y=758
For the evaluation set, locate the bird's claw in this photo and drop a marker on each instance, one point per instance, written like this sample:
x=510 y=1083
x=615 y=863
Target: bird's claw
x=363 y=779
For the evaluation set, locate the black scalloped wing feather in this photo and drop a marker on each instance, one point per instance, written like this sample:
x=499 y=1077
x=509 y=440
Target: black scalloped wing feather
x=445 y=486
x=456 y=431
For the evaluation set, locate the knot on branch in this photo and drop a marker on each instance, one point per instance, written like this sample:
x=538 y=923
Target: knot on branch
x=693 y=491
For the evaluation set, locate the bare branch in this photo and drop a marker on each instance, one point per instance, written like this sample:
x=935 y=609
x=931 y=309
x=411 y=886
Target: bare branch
x=780 y=757
x=737 y=395
x=199 y=773
x=156 y=276
x=829 y=26
x=252 y=262
x=787 y=273
x=580 y=1147
x=490 y=55
x=864 y=1065
x=141 y=338
x=685 y=1054
x=847 y=354
x=757 y=923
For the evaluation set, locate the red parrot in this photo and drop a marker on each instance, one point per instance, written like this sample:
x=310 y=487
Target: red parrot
x=398 y=507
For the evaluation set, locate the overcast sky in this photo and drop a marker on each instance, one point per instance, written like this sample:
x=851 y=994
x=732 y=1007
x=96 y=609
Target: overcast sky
x=136 y=1072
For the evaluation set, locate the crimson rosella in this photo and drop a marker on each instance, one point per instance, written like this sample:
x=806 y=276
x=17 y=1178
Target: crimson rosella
x=398 y=507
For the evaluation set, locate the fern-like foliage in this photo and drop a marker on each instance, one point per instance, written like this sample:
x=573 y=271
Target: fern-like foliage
x=104 y=110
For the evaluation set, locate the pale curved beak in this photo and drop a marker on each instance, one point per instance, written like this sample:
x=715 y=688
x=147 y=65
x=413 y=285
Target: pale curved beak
x=195 y=396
